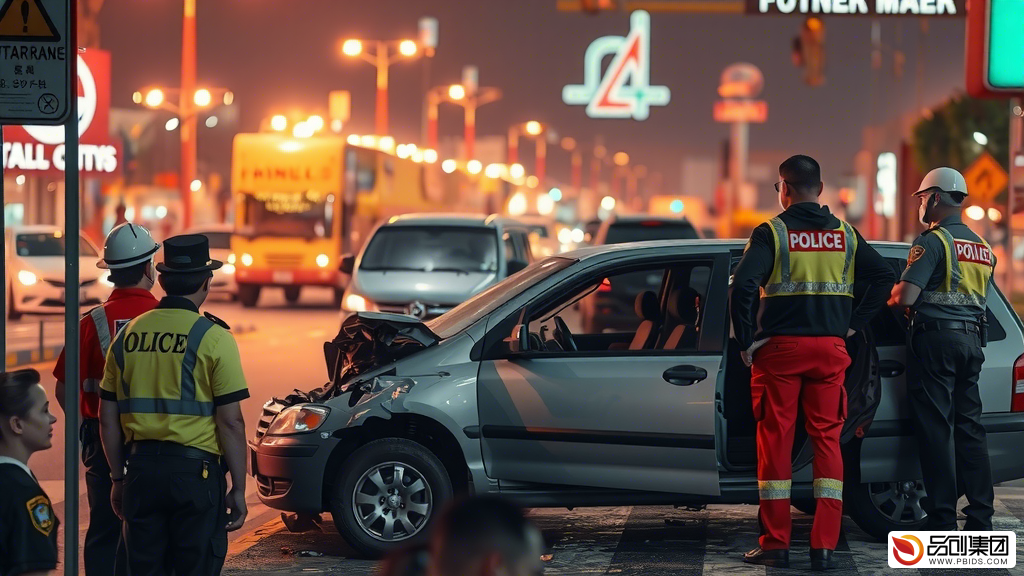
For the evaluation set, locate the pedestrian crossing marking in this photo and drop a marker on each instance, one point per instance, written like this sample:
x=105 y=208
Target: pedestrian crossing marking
x=27 y=22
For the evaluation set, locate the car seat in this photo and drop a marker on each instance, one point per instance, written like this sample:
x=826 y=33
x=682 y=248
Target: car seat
x=649 y=310
x=684 y=308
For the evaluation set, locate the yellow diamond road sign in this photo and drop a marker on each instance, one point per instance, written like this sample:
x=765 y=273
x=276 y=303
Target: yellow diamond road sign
x=985 y=178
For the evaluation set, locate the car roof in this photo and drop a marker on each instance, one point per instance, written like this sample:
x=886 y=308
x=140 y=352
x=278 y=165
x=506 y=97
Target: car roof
x=439 y=219
x=31 y=228
x=636 y=218
x=625 y=248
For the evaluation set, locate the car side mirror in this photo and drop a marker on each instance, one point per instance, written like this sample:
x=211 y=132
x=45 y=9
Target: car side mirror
x=516 y=265
x=519 y=341
x=347 y=264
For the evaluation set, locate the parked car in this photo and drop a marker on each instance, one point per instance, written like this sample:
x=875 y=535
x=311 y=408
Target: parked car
x=424 y=264
x=611 y=307
x=35 y=272
x=220 y=249
x=499 y=396
x=543 y=235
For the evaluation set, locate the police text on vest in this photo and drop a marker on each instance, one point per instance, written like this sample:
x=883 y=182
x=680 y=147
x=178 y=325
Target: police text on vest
x=817 y=241
x=973 y=252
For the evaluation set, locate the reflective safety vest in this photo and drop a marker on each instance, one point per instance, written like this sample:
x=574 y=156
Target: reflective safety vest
x=99 y=321
x=811 y=262
x=968 y=271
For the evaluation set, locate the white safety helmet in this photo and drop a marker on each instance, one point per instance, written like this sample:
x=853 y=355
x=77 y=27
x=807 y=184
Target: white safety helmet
x=943 y=180
x=127 y=245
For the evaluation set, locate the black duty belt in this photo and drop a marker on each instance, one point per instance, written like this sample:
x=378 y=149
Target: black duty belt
x=933 y=325
x=162 y=448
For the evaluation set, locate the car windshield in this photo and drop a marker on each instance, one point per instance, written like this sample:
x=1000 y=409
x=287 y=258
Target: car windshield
x=219 y=240
x=47 y=244
x=539 y=230
x=432 y=248
x=650 y=230
x=466 y=314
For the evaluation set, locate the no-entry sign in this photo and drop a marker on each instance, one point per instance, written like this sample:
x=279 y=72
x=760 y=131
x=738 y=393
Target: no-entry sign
x=34 y=52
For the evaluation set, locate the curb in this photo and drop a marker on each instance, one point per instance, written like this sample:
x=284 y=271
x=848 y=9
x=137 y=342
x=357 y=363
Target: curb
x=26 y=357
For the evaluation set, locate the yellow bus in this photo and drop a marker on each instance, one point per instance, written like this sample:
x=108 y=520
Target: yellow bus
x=300 y=204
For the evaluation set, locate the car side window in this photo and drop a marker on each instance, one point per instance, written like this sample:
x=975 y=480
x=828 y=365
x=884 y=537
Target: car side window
x=510 y=247
x=609 y=313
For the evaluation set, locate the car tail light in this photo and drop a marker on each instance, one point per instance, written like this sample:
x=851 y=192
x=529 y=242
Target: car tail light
x=651 y=223
x=605 y=286
x=1017 y=392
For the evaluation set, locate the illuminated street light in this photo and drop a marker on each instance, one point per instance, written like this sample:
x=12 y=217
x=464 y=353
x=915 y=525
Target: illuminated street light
x=555 y=194
x=430 y=156
x=154 y=98
x=516 y=171
x=493 y=171
x=137 y=97
x=202 y=98
x=337 y=125
x=212 y=122
x=449 y=166
x=171 y=125
x=403 y=151
x=995 y=215
x=20 y=179
x=474 y=166
x=353 y=139
x=456 y=92
x=533 y=181
x=229 y=98
x=279 y=123
x=608 y=203
x=407 y=48
x=387 y=143
x=352 y=48
x=975 y=212
x=545 y=205
x=517 y=204
x=196 y=185
x=533 y=128
x=303 y=130
x=620 y=158
x=317 y=122
x=577 y=235
x=981 y=138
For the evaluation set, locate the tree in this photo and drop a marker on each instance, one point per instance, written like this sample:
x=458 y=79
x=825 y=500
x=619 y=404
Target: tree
x=945 y=137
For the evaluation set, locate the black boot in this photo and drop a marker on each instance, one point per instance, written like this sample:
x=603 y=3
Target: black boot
x=821 y=559
x=776 y=558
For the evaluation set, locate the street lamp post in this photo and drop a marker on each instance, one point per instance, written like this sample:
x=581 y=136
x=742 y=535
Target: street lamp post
x=537 y=131
x=189 y=122
x=471 y=98
x=384 y=53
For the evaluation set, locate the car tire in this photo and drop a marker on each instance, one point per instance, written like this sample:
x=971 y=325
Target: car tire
x=292 y=293
x=882 y=507
x=364 y=525
x=248 y=295
x=12 y=313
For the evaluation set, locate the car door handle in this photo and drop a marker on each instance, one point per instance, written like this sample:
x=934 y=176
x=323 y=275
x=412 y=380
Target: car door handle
x=890 y=368
x=685 y=375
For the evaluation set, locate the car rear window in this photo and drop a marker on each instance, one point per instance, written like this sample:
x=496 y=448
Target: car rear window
x=650 y=230
x=47 y=244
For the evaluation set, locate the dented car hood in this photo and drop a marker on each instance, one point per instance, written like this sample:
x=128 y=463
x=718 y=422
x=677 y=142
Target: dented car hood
x=365 y=342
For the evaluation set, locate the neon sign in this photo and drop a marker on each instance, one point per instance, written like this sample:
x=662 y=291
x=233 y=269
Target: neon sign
x=624 y=90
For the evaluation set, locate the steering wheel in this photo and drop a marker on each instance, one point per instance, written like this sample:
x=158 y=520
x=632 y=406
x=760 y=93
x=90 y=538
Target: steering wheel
x=563 y=336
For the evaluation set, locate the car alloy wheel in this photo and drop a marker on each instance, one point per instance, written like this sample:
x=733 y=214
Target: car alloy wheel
x=900 y=502
x=392 y=501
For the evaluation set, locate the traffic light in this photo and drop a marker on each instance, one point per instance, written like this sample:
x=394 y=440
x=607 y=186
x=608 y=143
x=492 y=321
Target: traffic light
x=809 y=51
x=995 y=48
x=596 y=6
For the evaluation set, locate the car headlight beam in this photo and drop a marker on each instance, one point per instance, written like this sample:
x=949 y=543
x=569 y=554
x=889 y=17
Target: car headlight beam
x=27 y=278
x=355 y=303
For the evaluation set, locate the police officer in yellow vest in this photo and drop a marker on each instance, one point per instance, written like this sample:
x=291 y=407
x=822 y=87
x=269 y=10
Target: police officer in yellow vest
x=170 y=418
x=945 y=284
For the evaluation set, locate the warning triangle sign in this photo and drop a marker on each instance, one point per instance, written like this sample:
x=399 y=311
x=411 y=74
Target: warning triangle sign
x=26 y=21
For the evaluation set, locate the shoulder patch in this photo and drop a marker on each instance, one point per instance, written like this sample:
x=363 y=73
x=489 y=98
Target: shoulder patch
x=216 y=321
x=915 y=254
x=41 y=514
x=118 y=324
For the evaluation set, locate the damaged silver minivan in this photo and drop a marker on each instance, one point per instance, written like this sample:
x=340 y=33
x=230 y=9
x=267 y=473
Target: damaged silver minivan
x=501 y=395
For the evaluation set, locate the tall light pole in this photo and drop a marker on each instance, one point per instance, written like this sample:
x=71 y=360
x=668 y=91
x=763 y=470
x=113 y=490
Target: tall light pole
x=189 y=147
x=384 y=53
x=537 y=131
x=470 y=97
x=455 y=93
x=576 y=163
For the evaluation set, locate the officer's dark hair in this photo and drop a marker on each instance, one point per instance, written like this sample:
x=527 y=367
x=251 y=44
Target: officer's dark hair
x=14 y=396
x=183 y=283
x=130 y=276
x=802 y=173
x=475 y=526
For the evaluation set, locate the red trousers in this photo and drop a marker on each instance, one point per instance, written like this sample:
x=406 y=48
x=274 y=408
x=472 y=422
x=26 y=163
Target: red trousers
x=792 y=371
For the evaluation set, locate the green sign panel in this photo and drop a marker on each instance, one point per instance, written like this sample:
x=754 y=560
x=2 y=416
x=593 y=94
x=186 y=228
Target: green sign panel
x=1006 y=44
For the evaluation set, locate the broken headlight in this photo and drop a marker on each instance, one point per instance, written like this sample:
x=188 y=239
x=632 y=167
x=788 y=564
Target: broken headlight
x=298 y=420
